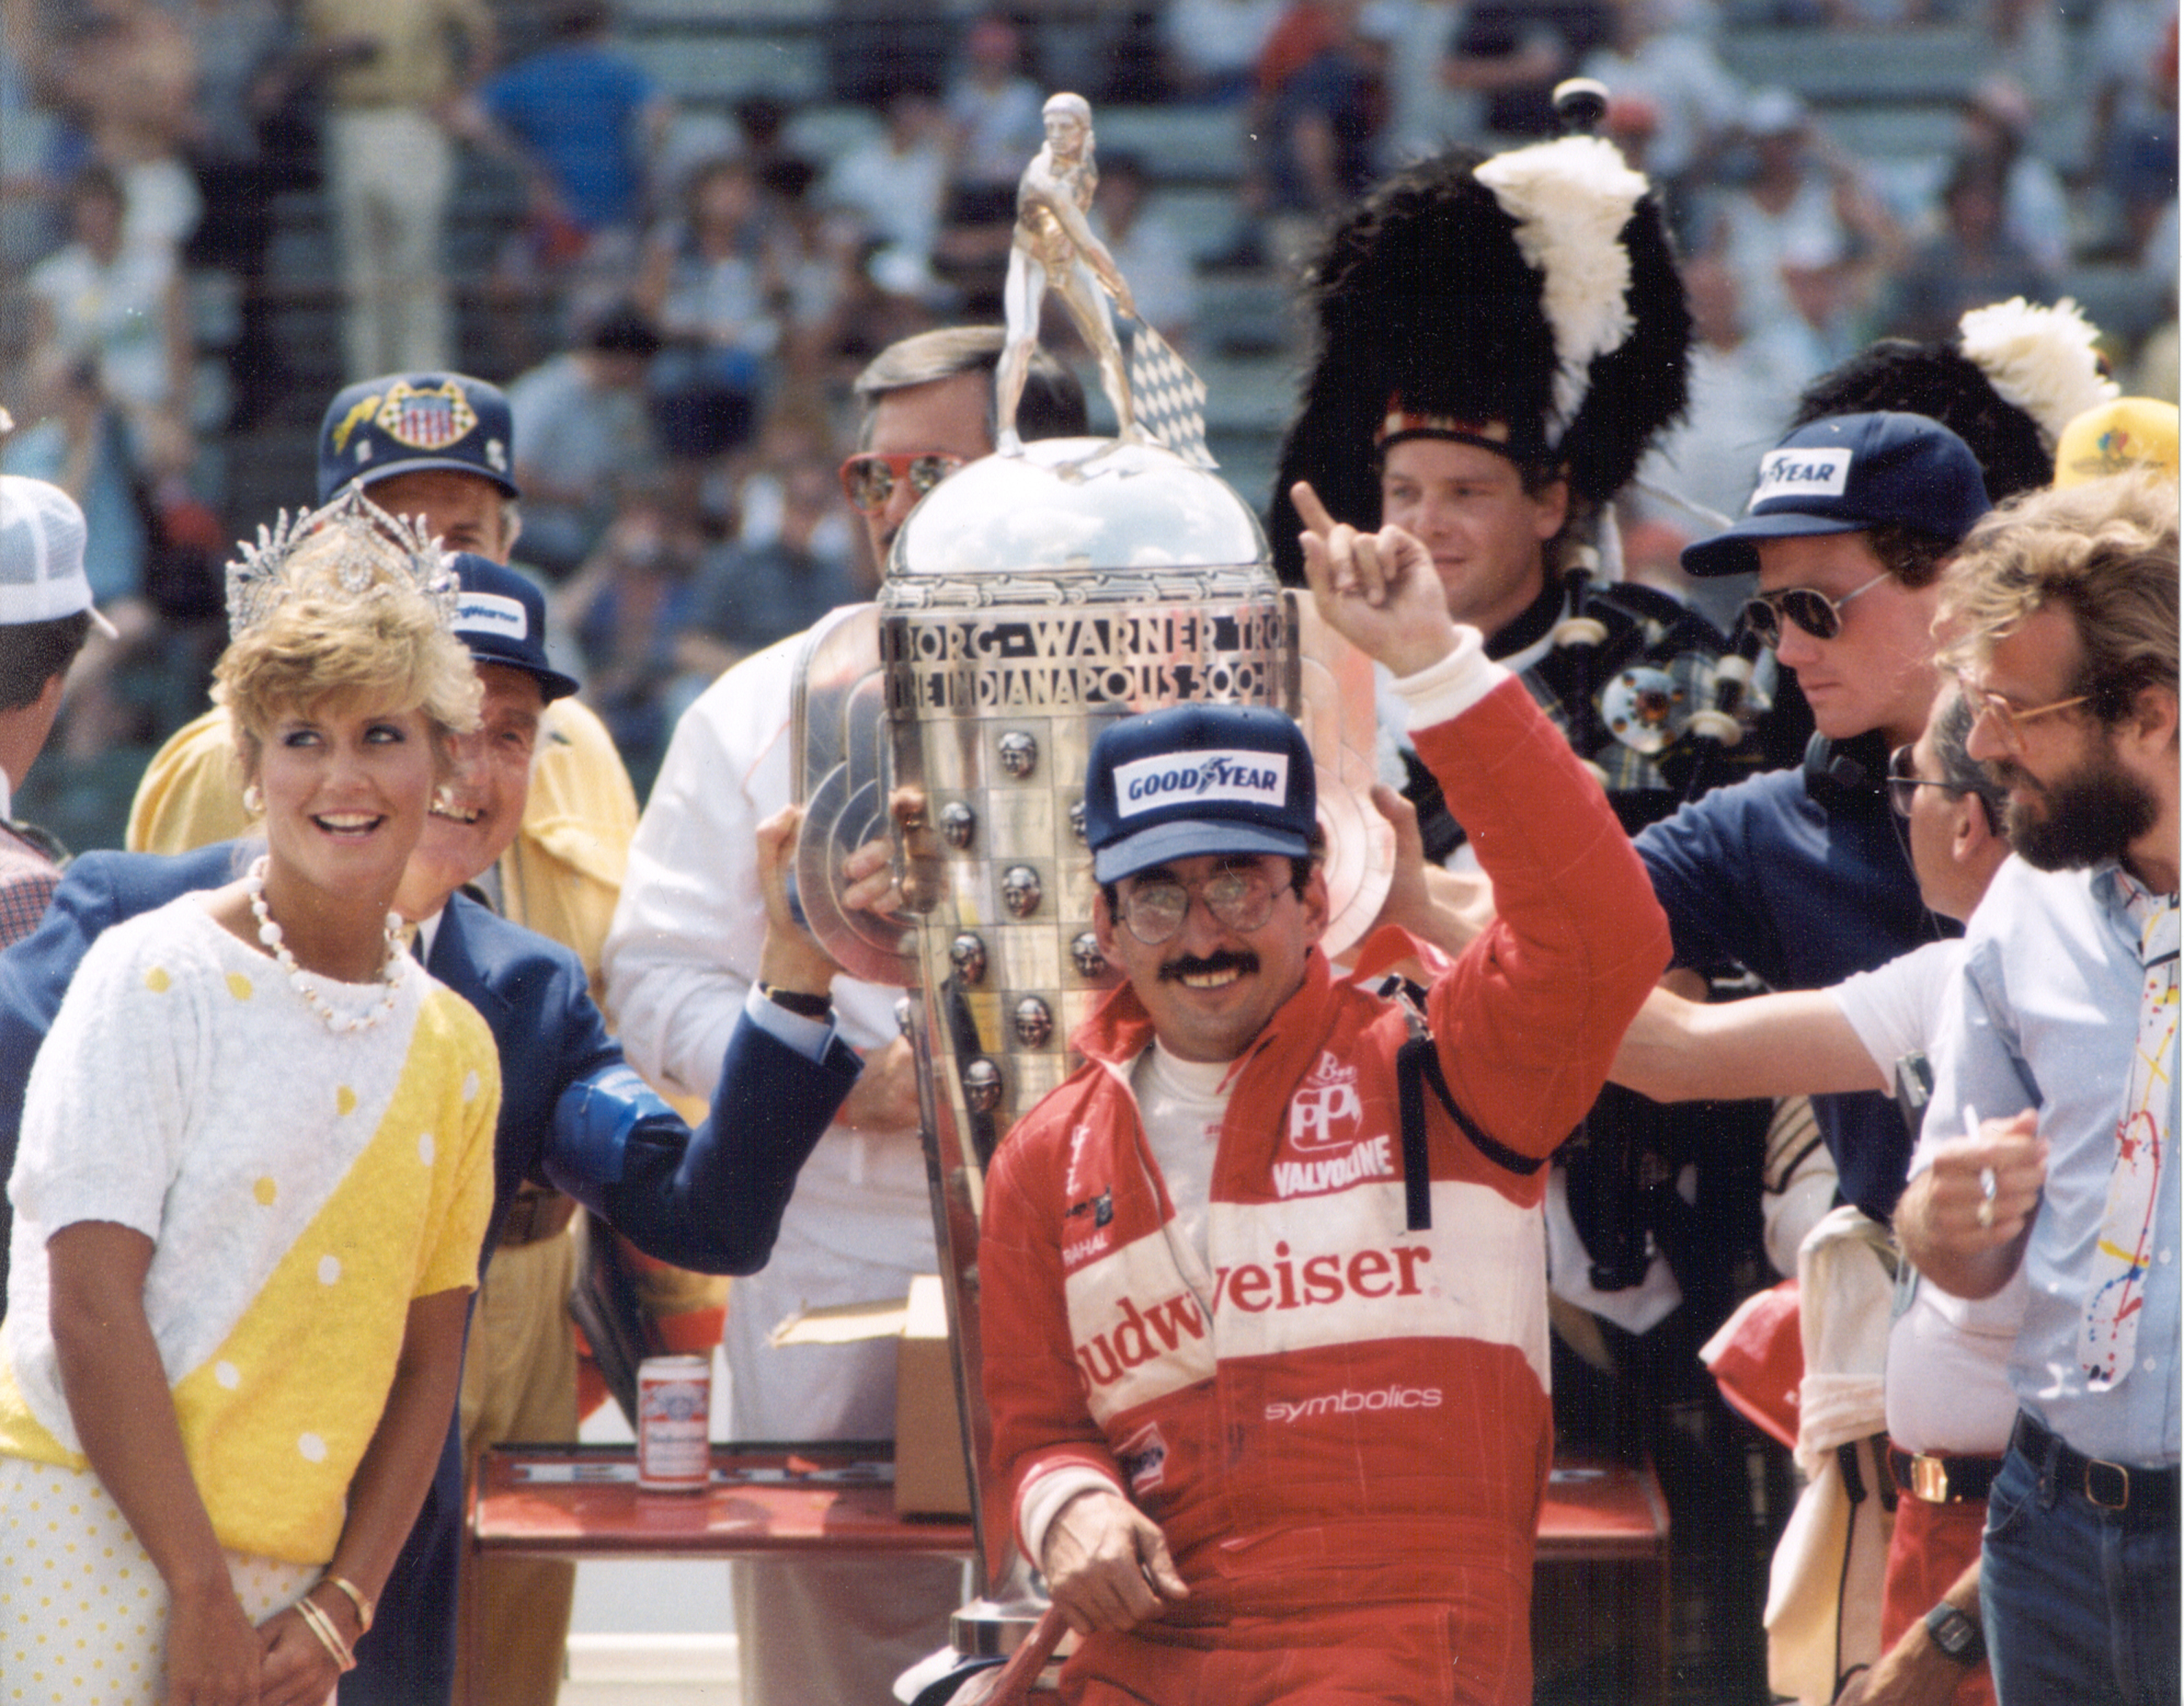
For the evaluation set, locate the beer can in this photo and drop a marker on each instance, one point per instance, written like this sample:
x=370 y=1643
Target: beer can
x=674 y=1417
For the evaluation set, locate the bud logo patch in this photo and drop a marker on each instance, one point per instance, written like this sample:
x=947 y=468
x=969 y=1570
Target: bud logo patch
x=489 y=613
x=1791 y=474
x=1260 y=779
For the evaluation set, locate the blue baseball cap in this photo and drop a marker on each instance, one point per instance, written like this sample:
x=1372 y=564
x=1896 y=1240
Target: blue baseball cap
x=401 y=423
x=1197 y=779
x=501 y=617
x=1848 y=474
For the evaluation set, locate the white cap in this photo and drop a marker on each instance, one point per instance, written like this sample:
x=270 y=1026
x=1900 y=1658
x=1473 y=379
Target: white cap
x=1774 y=112
x=41 y=537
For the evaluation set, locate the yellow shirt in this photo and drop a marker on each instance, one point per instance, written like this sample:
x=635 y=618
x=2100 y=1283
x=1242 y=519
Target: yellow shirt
x=413 y=63
x=294 y=1215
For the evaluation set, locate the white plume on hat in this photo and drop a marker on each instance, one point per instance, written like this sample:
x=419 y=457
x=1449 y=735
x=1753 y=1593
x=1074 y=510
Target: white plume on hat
x=1571 y=199
x=2039 y=359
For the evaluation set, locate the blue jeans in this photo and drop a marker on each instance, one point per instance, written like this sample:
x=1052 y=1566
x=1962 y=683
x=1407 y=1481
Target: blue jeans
x=2080 y=1604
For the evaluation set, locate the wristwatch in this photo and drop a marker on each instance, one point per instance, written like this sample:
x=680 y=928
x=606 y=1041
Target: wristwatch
x=1955 y=1635
x=793 y=1001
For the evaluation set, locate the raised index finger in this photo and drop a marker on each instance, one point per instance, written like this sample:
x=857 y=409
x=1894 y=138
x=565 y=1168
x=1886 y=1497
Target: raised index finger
x=1310 y=510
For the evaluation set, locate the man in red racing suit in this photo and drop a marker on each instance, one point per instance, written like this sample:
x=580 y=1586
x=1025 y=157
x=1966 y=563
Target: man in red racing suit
x=1268 y=1437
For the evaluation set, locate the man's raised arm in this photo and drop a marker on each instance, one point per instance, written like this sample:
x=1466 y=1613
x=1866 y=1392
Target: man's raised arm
x=1528 y=1018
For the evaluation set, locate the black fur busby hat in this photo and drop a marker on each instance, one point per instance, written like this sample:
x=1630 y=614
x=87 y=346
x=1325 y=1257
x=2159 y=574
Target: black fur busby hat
x=2012 y=377
x=1527 y=301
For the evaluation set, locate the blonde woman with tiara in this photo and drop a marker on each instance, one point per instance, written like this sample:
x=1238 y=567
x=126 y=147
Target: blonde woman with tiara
x=255 y=1170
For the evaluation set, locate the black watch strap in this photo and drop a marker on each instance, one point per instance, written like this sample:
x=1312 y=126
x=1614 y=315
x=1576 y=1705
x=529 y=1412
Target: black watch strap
x=1957 y=1635
x=803 y=1006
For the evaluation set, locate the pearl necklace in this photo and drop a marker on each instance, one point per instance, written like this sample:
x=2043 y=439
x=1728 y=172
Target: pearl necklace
x=269 y=932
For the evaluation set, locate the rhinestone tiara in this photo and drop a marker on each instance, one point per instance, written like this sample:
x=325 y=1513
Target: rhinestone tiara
x=262 y=577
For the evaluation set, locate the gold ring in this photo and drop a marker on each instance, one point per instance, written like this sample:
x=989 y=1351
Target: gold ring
x=1985 y=1216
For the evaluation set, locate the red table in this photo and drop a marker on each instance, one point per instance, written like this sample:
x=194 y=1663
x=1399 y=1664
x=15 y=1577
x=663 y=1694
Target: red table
x=1601 y=1584
x=578 y=1501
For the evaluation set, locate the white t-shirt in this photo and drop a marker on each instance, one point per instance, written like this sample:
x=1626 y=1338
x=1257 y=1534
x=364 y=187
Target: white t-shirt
x=1182 y=1102
x=1948 y=1384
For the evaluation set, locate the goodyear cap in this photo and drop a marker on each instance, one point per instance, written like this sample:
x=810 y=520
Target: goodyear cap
x=1197 y=779
x=1849 y=472
x=402 y=423
x=501 y=617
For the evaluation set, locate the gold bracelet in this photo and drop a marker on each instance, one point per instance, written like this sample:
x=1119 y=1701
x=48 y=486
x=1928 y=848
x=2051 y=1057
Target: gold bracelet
x=355 y=1598
x=321 y=1625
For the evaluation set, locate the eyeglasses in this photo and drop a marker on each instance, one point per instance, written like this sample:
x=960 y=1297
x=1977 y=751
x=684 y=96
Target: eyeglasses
x=868 y=478
x=1814 y=612
x=1240 y=900
x=1903 y=779
x=2009 y=721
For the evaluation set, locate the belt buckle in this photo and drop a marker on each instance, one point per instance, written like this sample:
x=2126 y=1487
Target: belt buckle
x=2121 y=1481
x=1930 y=1478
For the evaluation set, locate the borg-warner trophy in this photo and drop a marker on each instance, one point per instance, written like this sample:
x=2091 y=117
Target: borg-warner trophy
x=1030 y=598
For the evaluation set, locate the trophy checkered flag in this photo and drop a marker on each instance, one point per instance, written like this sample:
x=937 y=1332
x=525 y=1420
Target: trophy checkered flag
x=1168 y=398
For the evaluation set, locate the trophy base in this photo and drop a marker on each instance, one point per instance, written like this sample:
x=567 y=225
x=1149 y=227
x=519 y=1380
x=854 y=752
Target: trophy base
x=987 y=1629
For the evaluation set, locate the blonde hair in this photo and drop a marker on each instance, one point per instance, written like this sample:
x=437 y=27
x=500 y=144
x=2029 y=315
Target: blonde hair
x=2105 y=554
x=352 y=618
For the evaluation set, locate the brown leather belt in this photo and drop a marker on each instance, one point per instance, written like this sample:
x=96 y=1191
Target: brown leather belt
x=2147 y=1495
x=1935 y=1480
x=536 y=1215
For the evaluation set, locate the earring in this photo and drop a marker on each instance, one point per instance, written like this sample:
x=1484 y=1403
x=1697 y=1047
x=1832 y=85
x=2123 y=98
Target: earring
x=253 y=800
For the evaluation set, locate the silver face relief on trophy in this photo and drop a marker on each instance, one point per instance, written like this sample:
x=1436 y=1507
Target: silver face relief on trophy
x=958 y=825
x=1020 y=891
x=1034 y=1022
x=1084 y=950
x=982 y=1087
x=1076 y=821
x=968 y=954
x=1019 y=754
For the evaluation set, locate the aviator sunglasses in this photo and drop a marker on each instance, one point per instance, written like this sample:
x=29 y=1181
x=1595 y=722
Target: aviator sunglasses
x=1814 y=612
x=868 y=478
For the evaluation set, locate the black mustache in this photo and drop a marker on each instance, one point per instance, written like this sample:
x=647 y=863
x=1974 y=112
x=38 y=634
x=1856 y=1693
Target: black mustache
x=1191 y=966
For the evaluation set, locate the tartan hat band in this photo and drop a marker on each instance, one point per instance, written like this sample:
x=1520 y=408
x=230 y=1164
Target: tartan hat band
x=1400 y=424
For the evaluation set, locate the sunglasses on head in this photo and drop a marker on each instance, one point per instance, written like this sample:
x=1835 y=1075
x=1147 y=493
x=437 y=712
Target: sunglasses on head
x=1813 y=612
x=869 y=478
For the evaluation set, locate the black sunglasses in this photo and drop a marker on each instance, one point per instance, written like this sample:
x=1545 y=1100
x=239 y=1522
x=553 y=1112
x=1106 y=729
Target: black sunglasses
x=1901 y=779
x=1814 y=612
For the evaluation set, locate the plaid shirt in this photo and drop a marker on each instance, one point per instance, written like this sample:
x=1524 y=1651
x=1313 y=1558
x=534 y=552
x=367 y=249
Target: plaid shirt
x=28 y=877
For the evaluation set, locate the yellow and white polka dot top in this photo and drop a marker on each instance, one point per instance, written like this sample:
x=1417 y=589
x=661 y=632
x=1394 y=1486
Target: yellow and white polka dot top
x=300 y=1189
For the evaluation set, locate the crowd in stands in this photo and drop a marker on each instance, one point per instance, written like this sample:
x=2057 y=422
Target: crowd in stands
x=683 y=286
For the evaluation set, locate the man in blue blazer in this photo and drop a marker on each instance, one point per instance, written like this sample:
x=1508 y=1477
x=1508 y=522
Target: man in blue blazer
x=573 y=1114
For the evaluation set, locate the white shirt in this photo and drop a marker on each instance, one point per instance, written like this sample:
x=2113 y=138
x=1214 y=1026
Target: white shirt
x=1948 y=1384
x=683 y=955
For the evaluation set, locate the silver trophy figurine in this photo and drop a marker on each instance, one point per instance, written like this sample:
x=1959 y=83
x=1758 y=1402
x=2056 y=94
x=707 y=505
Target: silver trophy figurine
x=1027 y=600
